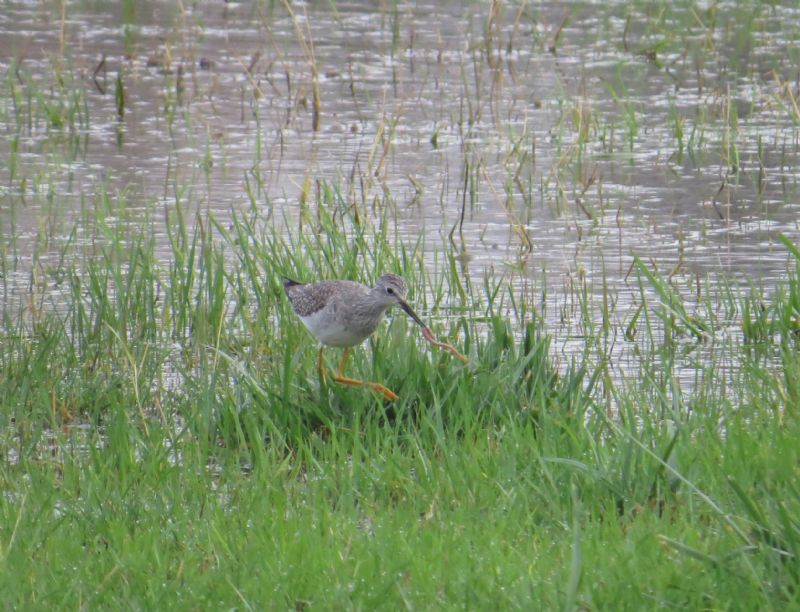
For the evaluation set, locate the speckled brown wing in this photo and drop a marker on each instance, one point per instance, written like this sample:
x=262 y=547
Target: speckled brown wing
x=308 y=299
x=305 y=302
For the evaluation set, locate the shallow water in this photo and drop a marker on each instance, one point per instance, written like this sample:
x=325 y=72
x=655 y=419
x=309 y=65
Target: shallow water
x=593 y=132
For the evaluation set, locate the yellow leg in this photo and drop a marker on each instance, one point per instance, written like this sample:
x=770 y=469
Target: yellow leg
x=341 y=378
x=321 y=367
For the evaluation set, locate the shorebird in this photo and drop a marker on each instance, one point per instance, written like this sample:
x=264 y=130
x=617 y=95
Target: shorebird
x=343 y=313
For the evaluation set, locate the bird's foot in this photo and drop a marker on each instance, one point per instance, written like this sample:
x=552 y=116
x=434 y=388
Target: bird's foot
x=377 y=387
x=387 y=393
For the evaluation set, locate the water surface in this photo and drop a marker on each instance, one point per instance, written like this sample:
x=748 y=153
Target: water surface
x=550 y=143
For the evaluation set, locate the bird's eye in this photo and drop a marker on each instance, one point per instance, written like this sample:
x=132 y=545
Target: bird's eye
x=389 y=290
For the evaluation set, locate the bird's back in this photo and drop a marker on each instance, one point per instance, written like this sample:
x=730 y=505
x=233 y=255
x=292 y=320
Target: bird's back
x=335 y=312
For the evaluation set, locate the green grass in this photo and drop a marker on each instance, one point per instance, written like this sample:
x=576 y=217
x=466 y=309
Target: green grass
x=168 y=443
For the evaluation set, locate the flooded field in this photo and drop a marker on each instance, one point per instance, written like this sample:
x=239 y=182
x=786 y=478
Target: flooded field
x=547 y=143
x=596 y=203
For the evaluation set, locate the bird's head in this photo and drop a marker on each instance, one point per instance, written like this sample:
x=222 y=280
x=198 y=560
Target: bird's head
x=392 y=289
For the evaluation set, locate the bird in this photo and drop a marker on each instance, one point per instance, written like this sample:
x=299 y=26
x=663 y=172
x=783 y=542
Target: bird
x=344 y=313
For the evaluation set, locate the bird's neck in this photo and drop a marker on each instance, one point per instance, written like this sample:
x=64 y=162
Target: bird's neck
x=370 y=309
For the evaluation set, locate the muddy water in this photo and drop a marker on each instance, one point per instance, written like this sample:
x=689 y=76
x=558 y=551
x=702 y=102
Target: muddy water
x=589 y=133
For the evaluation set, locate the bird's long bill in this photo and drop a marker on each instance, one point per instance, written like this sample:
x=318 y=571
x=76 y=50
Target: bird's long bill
x=404 y=305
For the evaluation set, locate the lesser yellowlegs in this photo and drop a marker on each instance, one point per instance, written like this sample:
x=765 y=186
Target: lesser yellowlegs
x=343 y=313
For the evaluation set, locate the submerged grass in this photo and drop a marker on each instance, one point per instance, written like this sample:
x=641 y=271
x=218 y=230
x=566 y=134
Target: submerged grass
x=167 y=442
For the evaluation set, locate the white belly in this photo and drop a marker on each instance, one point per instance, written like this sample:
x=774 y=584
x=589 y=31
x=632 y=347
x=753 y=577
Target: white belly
x=332 y=331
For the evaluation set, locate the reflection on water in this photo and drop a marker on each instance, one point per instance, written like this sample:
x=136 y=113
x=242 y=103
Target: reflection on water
x=589 y=132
